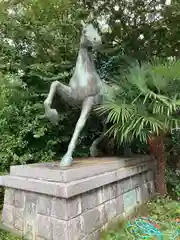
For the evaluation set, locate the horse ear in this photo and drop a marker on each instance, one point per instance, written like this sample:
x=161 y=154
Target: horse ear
x=83 y=23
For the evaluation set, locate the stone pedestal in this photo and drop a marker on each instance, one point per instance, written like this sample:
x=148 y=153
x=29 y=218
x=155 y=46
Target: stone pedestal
x=45 y=202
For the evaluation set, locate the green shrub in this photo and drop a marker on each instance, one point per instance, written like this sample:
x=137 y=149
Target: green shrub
x=25 y=135
x=173 y=183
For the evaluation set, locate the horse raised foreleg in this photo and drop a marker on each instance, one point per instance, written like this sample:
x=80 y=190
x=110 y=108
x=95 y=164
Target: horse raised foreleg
x=63 y=91
x=86 y=109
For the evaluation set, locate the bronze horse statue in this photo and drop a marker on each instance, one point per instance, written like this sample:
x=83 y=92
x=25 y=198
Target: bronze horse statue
x=85 y=87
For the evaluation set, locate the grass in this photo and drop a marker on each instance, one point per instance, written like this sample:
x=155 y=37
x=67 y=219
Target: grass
x=165 y=212
x=7 y=236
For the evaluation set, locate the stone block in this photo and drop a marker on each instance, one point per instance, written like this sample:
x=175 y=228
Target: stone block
x=87 y=184
x=59 y=229
x=144 y=167
x=147 y=176
x=152 y=186
x=119 y=205
x=150 y=189
x=136 y=181
x=8 y=215
x=110 y=209
x=139 y=196
x=81 y=168
x=18 y=219
x=34 y=185
x=92 y=220
x=19 y=199
x=143 y=178
x=44 y=227
x=44 y=205
x=76 y=229
x=145 y=192
x=29 y=229
x=30 y=205
x=150 y=176
x=64 y=209
x=30 y=213
x=107 y=192
x=131 y=171
x=103 y=218
x=90 y=199
x=129 y=199
x=124 y=186
x=9 y=196
x=67 y=189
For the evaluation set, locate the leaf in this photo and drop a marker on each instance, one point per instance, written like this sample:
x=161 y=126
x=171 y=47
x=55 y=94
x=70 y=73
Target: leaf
x=148 y=112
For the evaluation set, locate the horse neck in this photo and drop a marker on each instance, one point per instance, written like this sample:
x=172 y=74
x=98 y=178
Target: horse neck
x=85 y=57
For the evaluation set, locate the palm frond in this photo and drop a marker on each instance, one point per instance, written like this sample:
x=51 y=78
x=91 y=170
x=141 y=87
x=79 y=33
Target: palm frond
x=117 y=111
x=144 y=102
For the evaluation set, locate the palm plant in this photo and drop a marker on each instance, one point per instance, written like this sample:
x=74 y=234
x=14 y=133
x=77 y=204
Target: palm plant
x=145 y=102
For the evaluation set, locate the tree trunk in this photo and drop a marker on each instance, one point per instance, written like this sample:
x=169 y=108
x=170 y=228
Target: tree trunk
x=157 y=149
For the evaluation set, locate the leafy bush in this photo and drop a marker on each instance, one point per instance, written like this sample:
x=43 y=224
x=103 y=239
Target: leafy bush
x=173 y=183
x=7 y=236
x=21 y=125
x=25 y=135
x=172 y=150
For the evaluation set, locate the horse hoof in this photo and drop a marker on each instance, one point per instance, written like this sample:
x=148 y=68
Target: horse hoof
x=51 y=114
x=66 y=161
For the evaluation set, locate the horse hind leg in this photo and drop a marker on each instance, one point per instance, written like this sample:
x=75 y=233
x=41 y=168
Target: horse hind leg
x=94 y=151
x=61 y=90
x=86 y=109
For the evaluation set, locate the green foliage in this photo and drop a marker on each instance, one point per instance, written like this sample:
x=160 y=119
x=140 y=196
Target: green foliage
x=113 y=236
x=145 y=102
x=173 y=182
x=164 y=211
x=172 y=151
x=7 y=236
x=140 y=29
x=22 y=125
